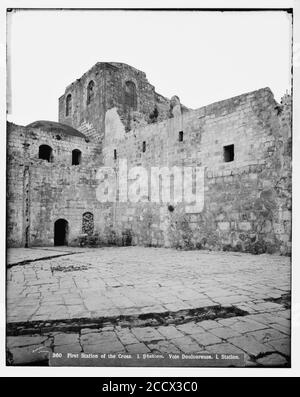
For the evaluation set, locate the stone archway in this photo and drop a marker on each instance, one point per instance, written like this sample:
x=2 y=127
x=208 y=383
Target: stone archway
x=61 y=230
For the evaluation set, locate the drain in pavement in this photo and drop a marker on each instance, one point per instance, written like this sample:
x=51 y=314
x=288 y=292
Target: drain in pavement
x=126 y=321
x=71 y=268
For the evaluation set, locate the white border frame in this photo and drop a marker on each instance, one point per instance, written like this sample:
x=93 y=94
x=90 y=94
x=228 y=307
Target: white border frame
x=155 y=372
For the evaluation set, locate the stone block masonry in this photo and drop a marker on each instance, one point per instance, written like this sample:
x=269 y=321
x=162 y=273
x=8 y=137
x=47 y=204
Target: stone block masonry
x=114 y=85
x=40 y=192
x=113 y=113
x=245 y=200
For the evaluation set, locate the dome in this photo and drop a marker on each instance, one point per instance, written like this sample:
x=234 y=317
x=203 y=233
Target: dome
x=52 y=126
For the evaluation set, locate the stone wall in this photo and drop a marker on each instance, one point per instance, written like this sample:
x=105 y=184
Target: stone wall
x=247 y=202
x=40 y=192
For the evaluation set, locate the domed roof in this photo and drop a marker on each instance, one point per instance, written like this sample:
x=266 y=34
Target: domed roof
x=53 y=126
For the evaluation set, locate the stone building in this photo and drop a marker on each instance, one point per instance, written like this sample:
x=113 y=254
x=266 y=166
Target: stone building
x=111 y=114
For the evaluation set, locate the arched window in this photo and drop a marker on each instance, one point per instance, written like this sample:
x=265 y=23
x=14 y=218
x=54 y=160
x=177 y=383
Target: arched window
x=76 y=157
x=90 y=92
x=69 y=105
x=88 y=223
x=130 y=95
x=45 y=153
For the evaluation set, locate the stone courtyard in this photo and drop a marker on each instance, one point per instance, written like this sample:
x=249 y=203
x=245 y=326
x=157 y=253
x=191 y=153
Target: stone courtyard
x=138 y=300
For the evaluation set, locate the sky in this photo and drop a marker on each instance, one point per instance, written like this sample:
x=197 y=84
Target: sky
x=202 y=57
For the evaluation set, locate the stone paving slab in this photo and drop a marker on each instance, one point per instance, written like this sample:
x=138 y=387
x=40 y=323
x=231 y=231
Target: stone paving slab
x=257 y=346
x=250 y=345
x=18 y=255
x=281 y=345
x=272 y=360
x=104 y=281
x=132 y=281
x=17 y=341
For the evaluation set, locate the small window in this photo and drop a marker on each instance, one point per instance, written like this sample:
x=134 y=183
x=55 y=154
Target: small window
x=144 y=147
x=228 y=153
x=69 y=105
x=90 y=92
x=115 y=154
x=76 y=157
x=45 y=153
x=180 y=136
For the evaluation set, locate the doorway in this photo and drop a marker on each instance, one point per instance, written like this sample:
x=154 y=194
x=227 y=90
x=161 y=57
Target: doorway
x=61 y=229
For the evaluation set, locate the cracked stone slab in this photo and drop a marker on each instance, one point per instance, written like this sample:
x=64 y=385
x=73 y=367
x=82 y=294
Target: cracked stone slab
x=170 y=332
x=71 y=348
x=29 y=354
x=268 y=307
x=262 y=318
x=250 y=345
x=246 y=325
x=147 y=334
x=137 y=348
x=267 y=335
x=176 y=306
x=285 y=314
x=206 y=338
x=190 y=328
x=187 y=345
x=228 y=321
x=163 y=346
x=281 y=328
x=224 y=348
x=127 y=337
x=196 y=304
x=224 y=332
x=103 y=344
x=98 y=338
x=228 y=300
x=21 y=341
x=208 y=324
x=282 y=346
x=272 y=360
x=66 y=339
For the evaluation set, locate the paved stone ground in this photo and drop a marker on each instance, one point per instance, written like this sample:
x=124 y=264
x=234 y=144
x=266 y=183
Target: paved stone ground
x=111 y=282
x=19 y=255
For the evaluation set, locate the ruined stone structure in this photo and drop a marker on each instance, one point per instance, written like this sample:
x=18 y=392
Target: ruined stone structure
x=113 y=113
x=105 y=86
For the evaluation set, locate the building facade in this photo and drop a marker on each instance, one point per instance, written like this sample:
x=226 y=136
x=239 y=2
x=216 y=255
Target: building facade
x=112 y=117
